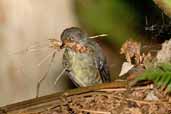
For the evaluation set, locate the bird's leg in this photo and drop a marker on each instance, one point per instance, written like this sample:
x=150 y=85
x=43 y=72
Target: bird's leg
x=59 y=76
x=45 y=75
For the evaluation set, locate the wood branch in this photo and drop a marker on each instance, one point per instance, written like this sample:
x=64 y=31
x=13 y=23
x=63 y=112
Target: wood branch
x=38 y=104
x=108 y=98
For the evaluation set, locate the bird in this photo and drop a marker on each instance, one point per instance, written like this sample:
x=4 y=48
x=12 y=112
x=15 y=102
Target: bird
x=83 y=59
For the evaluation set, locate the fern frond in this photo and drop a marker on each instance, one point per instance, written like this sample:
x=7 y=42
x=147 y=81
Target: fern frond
x=160 y=75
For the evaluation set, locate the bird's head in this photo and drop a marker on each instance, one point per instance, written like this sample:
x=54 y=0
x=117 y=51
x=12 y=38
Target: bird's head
x=72 y=36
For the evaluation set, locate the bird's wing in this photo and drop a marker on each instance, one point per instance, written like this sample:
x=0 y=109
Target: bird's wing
x=103 y=70
x=101 y=62
x=72 y=78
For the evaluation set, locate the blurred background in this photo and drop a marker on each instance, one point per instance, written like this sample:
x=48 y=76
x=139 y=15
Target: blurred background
x=24 y=22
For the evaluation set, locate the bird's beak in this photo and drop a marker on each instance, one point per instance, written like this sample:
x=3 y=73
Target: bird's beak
x=62 y=46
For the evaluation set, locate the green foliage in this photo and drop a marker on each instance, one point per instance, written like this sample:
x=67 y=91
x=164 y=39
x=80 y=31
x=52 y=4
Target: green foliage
x=114 y=17
x=160 y=75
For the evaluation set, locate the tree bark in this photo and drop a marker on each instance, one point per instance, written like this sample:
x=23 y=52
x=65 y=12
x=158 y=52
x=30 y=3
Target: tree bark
x=38 y=104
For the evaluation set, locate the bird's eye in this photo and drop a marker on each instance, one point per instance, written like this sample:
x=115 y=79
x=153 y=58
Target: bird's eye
x=71 y=40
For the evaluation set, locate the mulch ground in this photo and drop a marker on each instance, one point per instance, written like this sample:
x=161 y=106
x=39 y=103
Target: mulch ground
x=138 y=100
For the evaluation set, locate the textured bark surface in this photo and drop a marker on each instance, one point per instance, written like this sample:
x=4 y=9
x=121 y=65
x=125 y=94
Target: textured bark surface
x=42 y=103
x=109 y=98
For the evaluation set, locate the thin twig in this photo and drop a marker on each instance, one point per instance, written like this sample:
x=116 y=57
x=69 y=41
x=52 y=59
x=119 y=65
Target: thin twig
x=96 y=36
x=142 y=101
x=92 y=111
x=59 y=76
x=45 y=75
x=124 y=89
x=45 y=58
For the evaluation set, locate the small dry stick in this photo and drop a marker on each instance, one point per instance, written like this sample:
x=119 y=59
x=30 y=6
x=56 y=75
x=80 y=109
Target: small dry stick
x=92 y=111
x=33 y=48
x=97 y=112
x=54 y=43
x=125 y=89
x=96 y=36
x=45 y=58
x=46 y=74
x=142 y=101
x=59 y=76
